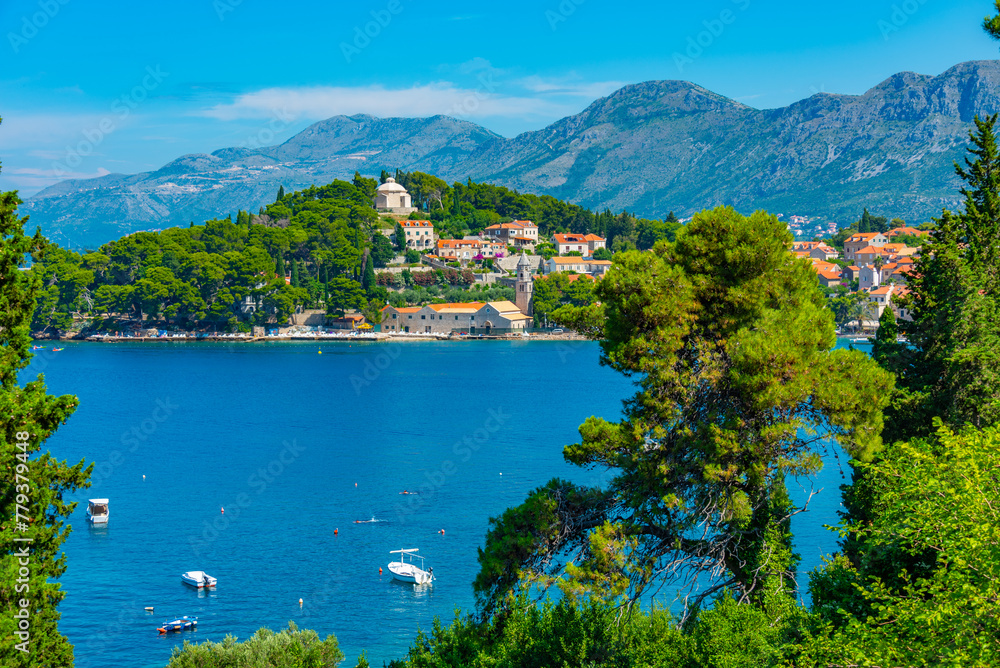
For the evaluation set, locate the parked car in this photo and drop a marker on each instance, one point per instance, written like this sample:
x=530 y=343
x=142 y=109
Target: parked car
x=557 y=331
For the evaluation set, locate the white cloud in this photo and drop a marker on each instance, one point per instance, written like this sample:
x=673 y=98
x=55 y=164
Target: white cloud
x=32 y=179
x=320 y=102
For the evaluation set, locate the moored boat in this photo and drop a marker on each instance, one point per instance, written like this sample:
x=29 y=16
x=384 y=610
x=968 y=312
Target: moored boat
x=198 y=579
x=408 y=571
x=97 y=511
x=180 y=624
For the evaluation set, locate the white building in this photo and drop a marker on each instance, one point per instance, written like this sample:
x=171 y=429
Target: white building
x=419 y=234
x=391 y=197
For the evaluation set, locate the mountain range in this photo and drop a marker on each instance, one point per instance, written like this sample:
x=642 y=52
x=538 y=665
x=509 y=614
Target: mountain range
x=648 y=148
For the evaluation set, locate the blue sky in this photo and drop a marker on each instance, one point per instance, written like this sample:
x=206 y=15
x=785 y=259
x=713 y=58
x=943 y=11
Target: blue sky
x=91 y=88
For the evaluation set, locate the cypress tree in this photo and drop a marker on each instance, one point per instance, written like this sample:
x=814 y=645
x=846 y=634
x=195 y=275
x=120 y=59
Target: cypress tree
x=281 y=194
x=369 y=280
x=32 y=490
x=280 y=266
x=952 y=370
x=295 y=273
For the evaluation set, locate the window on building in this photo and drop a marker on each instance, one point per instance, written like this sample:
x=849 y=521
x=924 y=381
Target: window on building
x=423 y=317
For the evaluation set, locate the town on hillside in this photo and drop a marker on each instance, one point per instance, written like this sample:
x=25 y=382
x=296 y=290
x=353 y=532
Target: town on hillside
x=867 y=275
x=370 y=259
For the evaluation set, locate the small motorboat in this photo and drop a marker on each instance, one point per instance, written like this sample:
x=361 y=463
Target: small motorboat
x=408 y=571
x=180 y=624
x=198 y=579
x=97 y=511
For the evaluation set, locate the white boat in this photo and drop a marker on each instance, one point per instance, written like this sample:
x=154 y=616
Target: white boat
x=97 y=511
x=408 y=571
x=198 y=579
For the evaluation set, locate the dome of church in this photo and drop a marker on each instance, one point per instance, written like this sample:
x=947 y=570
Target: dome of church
x=390 y=186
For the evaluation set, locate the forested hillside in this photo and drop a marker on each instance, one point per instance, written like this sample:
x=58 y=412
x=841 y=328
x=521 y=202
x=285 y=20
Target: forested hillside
x=316 y=248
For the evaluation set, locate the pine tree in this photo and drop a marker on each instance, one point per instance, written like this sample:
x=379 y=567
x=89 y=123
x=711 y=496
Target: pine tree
x=953 y=369
x=31 y=492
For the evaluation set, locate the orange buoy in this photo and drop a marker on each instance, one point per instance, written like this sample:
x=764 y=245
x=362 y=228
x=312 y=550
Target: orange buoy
x=441 y=532
x=223 y=510
x=380 y=570
x=335 y=531
x=300 y=602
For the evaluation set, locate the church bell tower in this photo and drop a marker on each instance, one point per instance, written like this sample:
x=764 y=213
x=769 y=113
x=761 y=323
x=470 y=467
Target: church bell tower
x=523 y=285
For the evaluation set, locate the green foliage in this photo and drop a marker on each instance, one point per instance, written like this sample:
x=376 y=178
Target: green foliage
x=412 y=256
x=33 y=487
x=991 y=24
x=870 y=223
x=382 y=250
x=563 y=635
x=556 y=290
x=730 y=343
x=289 y=648
x=938 y=503
x=604 y=254
x=400 y=236
x=952 y=369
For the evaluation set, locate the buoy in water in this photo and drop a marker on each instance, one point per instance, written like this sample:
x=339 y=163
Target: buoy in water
x=380 y=570
x=441 y=532
x=335 y=531
x=144 y=476
x=300 y=602
x=222 y=510
x=319 y=352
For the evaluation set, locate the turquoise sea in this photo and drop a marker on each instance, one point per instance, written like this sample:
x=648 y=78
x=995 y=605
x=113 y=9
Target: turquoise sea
x=295 y=446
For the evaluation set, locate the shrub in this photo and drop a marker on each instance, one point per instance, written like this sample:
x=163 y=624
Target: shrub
x=289 y=648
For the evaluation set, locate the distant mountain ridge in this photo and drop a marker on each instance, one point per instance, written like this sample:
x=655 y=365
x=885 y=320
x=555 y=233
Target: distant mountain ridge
x=649 y=148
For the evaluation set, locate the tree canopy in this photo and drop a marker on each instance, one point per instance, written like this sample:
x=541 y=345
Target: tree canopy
x=951 y=369
x=726 y=334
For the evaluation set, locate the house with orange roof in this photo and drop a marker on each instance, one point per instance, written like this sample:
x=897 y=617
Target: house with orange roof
x=856 y=242
x=851 y=273
x=468 y=249
x=519 y=233
x=828 y=278
x=452 y=318
x=585 y=244
x=823 y=265
x=881 y=298
x=420 y=234
x=901 y=249
x=580 y=265
x=869 y=253
x=824 y=252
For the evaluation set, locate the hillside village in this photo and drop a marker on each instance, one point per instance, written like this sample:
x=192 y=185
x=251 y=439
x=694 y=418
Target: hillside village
x=873 y=268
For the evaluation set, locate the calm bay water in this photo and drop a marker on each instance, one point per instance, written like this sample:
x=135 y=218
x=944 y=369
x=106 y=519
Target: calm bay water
x=295 y=445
